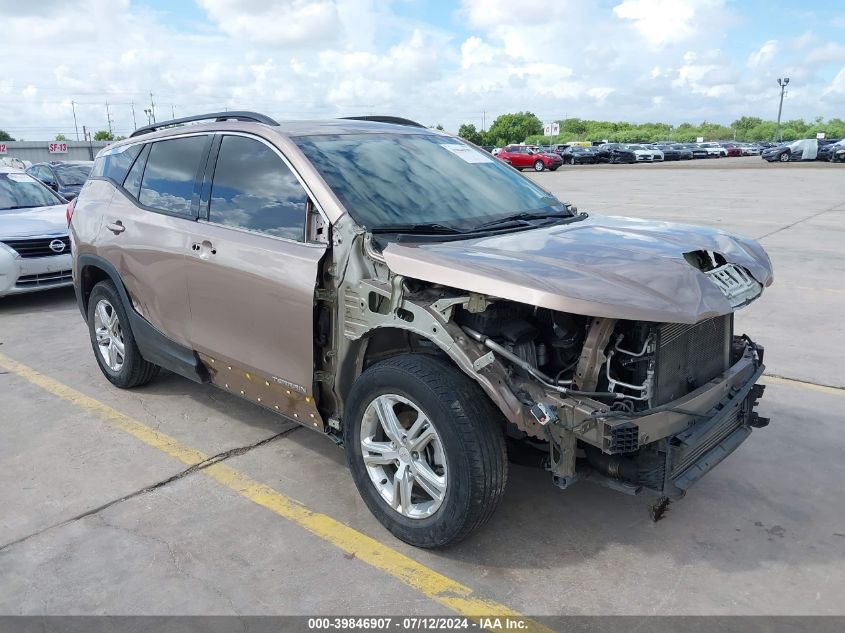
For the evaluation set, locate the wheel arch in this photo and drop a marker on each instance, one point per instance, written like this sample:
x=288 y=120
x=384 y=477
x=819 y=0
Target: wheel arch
x=388 y=341
x=154 y=346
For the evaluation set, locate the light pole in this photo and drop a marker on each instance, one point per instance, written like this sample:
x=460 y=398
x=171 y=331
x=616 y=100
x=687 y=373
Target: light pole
x=149 y=114
x=782 y=83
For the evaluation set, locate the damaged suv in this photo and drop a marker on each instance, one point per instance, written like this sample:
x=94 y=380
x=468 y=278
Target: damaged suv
x=421 y=303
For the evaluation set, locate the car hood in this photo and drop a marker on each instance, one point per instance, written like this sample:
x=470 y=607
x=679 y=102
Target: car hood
x=602 y=266
x=641 y=152
x=33 y=222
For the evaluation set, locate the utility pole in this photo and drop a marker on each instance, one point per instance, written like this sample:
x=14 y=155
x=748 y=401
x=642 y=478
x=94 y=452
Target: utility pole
x=108 y=117
x=134 y=125
x=172 y=111
x=782 y=83
x=149 y=114
x=73 y=107
x=152 y=108
x=483 y=119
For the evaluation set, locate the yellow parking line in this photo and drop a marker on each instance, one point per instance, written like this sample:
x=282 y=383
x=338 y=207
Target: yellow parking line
x=771 y=379
x=442 y=589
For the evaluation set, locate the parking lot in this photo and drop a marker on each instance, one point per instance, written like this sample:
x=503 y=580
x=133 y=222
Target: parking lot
x=103 y=514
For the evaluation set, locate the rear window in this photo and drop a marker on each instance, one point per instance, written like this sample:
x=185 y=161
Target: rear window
x=170 y=174
x=73 y=174
x=113 y=165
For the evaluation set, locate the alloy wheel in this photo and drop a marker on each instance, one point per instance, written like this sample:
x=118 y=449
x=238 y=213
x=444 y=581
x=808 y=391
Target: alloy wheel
x=404 y=456
x=109 y=335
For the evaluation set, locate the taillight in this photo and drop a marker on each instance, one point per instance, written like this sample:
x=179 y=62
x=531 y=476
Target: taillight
x=69 y=210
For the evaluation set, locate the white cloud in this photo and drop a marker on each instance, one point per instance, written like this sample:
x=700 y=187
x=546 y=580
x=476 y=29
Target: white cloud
x=763 y=55
x=293 y=22
x=662 y=22
x=625 y=60
x=837 y=86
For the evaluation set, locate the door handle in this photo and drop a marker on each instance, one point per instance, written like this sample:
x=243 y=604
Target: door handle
x=116 y=227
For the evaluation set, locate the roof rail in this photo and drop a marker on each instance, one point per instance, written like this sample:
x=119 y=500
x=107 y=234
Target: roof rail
x=234 y=115
x=385 y=119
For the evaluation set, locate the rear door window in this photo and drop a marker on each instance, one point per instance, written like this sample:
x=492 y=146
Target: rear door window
x=115 y=165
x=132 y=184
x=254 y=189
x=169 y=179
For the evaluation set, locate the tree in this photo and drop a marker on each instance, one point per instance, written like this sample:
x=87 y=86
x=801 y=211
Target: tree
x=516 y=127
x=61 y=137
x=468 y=132
x=103 y=135
x=5 y=136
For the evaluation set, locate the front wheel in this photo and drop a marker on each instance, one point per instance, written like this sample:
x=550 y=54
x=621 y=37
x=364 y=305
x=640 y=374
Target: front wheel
x=426 y=449
x=572 y=161
x=784 y=158
x=539 y=165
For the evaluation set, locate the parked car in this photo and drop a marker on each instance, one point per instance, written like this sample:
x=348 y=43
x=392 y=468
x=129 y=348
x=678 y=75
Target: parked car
x=657 y=154
x=827 y=147
x=698 y=151
x=34 y=243
x=714 y=150
x=804 y=149
x=422 y=313
x=16 y=163
x=732 y=149
x=66 y=178
x=641 y=154
x=577 y=155
x=614 y=153
x=674 y=152
x=522 y=156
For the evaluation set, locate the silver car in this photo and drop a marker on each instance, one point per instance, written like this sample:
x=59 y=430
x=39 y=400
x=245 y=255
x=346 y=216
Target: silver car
x=34 y=243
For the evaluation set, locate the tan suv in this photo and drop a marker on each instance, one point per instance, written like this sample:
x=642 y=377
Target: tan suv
x=422 y=303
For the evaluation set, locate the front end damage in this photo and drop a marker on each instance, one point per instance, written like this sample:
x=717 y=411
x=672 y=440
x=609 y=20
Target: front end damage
x=632 y=403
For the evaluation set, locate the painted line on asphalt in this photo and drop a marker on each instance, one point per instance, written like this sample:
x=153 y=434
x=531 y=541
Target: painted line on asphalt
x=774 y=379
x=441 y=589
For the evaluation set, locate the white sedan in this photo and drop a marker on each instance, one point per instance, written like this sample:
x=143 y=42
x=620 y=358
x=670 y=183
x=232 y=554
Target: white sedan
x=34 y=242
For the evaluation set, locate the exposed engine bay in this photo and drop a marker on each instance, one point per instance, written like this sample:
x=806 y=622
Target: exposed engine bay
x=630 y=367
x=630 y=403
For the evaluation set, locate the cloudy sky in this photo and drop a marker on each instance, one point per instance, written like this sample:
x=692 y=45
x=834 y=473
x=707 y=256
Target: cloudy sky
x=435 y=61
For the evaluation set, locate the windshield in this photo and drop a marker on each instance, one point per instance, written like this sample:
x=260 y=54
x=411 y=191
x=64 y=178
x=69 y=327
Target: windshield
x=70 y=175
x=20 y=191
x=635 y=147
x=387 y=180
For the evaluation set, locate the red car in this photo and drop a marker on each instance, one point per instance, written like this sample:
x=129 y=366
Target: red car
x=733 y=150
x=522 y=156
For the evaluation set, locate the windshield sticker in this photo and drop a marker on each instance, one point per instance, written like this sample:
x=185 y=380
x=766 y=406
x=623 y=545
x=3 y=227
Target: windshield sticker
x=466 y=153
x=20 y=177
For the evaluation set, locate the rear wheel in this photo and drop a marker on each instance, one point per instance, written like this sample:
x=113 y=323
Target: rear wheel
x=426 y=449
x=539 y=165
x=111 y=337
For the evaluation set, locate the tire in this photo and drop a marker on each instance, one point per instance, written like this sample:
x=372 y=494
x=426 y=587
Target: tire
x=468 y=435
x=572 y=161
x=108 y=322
x=784 y=158
x=539 y=165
